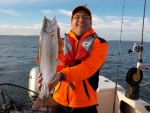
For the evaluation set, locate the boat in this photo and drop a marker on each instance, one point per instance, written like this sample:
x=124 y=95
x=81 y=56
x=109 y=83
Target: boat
x=112 y=97
x=123 y=104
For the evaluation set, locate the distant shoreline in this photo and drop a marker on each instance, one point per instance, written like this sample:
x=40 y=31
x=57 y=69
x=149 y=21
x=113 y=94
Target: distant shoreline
x=37 y=36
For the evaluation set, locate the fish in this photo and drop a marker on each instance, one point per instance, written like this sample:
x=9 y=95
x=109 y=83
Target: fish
x=48 y=60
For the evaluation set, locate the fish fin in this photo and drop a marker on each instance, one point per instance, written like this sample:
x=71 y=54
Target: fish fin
x=59 y=62
x=60 y=45
x=39 y=103
x=37 y=59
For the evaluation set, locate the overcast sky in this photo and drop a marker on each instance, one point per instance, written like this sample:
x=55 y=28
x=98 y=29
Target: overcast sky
x=24 y=17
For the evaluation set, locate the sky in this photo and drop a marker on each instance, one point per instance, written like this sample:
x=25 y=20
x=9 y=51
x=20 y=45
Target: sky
x=25 y=17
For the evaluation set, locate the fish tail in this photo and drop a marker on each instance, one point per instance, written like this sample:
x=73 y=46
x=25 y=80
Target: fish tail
x=49 y=101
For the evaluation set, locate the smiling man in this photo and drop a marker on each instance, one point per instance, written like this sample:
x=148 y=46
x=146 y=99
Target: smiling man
x=83 y=56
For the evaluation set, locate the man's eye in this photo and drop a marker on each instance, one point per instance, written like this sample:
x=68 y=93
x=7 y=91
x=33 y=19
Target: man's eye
x=77 y=17
x=83 y=17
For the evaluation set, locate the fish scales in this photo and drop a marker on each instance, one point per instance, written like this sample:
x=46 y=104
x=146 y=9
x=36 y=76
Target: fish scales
x=48 y=54
x=48 y=62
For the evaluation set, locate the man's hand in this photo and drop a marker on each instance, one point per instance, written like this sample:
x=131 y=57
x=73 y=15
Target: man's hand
x=39 y=84
x=55 y=81
x=51 y=84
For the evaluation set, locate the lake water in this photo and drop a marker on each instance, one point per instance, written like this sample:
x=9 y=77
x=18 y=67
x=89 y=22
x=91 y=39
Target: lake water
x=17 y=58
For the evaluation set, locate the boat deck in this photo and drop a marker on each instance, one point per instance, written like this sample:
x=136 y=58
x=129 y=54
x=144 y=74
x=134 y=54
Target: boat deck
x=106 y=95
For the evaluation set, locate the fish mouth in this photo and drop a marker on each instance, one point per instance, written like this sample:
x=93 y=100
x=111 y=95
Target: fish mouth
x=53 y=31
x=46 y=26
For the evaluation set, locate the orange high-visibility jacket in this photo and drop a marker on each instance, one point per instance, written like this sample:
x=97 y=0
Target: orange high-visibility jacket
x=77 y=98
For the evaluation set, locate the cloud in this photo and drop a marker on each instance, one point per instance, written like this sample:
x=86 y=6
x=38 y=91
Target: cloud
x=29 y=30
x=20 y=30
x=68 y=13
x=10 y=12
x=46 y=11
x=64 y=28
x=107 y=27
x=97 y=19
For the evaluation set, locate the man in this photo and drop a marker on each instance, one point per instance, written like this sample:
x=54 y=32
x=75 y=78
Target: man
x=83 y=56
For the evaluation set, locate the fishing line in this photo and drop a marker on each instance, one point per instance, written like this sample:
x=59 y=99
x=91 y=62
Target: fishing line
x=117 y=71
x=141 y=43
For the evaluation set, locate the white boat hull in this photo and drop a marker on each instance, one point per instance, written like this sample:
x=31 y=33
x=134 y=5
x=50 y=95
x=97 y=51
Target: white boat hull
x=106 y=92
x=106 y=95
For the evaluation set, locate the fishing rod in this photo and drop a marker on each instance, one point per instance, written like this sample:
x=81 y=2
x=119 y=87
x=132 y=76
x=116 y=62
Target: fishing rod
x=135 y=75
x=118 y=61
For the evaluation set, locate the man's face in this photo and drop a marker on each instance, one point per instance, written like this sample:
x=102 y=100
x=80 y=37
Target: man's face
x=81 y=22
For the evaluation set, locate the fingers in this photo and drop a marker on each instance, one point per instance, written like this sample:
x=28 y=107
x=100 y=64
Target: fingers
x=39 y=78
x=54 y=82
x=39 y=85
x=50 y=86
x=39 y=75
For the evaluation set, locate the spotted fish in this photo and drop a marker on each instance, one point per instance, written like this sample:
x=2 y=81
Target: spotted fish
x=47 y=57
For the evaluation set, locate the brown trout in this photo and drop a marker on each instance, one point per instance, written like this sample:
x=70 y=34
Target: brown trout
x=47 y=58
